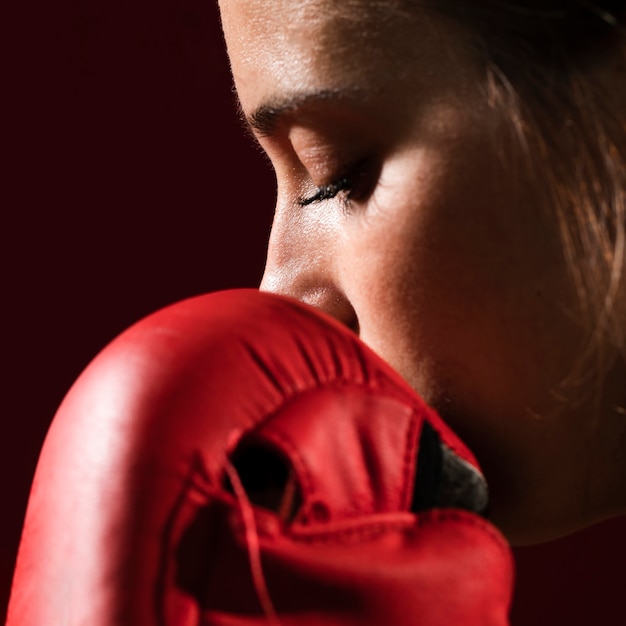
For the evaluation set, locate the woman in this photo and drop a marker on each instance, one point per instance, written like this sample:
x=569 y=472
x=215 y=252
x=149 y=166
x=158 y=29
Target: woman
x=451 y=185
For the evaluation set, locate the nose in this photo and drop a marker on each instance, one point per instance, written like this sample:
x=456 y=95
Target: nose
x=303 y=262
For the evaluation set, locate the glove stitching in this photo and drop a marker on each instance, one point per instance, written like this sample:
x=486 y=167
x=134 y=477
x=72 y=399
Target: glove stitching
x=360 y=530
x=410 y=459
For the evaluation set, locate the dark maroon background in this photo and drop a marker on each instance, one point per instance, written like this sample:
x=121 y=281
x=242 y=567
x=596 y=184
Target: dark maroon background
x=130 y=185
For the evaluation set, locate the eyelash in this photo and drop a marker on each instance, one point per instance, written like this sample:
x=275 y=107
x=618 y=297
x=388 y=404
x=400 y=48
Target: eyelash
x=328 y=192
x=357 y=184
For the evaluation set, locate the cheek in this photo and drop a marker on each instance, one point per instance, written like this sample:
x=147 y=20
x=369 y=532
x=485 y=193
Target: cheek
x=460 y=285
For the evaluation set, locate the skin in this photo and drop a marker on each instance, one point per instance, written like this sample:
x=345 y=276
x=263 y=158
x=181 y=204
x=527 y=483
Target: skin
x=440 y=256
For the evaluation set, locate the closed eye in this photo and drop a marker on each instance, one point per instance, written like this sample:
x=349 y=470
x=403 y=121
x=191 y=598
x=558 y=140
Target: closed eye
x=327 y=192
x=356 y=185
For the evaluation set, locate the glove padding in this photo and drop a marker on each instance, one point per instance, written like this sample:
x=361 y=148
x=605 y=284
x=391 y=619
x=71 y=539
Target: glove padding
x=241 y=459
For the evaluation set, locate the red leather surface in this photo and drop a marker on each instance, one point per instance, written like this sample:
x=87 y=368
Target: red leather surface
x=131 y=520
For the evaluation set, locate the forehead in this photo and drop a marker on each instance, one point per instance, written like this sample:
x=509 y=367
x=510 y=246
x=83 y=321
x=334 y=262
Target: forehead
x=277 y=47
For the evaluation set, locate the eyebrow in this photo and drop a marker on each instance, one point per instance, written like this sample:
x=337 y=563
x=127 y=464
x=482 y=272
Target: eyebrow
x=265 y=118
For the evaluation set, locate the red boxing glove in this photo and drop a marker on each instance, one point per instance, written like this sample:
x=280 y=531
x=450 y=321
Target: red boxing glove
x=241 y=459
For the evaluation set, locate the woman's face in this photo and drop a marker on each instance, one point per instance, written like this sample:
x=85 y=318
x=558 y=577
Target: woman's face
x=402 y=212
